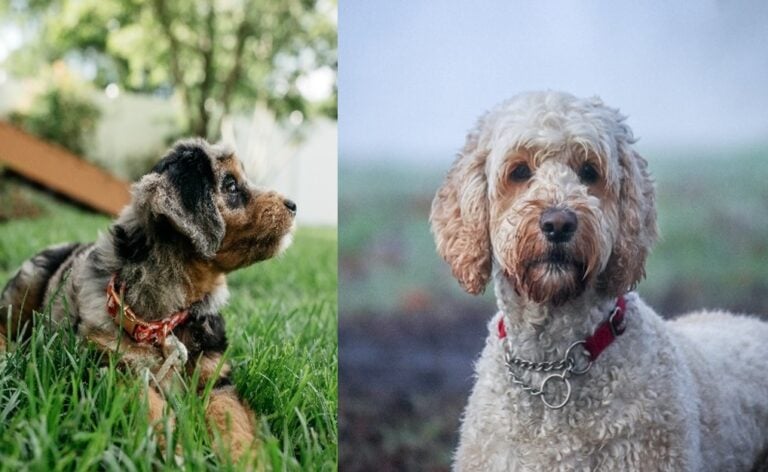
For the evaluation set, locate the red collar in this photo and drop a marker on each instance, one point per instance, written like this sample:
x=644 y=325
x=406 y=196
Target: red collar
x=152 y=332
x=604 y=335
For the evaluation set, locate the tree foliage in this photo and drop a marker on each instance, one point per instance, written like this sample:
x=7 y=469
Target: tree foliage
x=60 y=114
x=218 y=56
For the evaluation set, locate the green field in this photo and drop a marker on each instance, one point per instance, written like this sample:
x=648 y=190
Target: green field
x=59 y=410
x=713 y=218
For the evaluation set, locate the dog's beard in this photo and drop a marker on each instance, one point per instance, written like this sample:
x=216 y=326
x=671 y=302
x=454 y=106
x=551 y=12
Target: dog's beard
x=552 y=273
x=553 y=277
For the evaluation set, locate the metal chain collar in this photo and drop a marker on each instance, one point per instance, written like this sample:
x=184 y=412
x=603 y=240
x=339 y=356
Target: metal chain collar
x=567 y=367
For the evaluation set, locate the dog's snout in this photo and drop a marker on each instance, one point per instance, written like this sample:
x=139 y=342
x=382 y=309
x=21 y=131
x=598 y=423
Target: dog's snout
x=290 y=205
x=558 y=225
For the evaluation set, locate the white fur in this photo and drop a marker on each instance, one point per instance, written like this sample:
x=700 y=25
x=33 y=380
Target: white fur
x=683 y=395
x=686 y=395
x=287 y=240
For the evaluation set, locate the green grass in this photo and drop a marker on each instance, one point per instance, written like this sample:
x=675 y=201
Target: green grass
x=713 y=220
x=59 y=410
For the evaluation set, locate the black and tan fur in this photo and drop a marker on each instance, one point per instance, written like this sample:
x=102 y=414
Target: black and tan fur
x=192 y=219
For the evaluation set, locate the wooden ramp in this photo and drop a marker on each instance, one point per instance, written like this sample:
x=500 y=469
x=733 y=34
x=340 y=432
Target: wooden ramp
x=60 y=170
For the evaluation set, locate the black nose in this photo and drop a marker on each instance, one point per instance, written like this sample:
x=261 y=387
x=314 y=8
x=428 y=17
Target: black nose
x=290 y=205
x=558 y=225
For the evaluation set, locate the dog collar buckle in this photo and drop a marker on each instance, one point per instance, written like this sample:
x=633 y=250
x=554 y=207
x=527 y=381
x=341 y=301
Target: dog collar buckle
x=617 y=322
x=608 y=331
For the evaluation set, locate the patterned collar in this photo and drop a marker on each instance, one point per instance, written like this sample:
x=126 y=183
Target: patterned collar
x=151 y=332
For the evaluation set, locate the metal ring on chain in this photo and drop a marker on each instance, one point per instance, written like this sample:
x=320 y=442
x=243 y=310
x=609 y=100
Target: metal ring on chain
x=567 y=365
x=574 y=369
x=562 y=378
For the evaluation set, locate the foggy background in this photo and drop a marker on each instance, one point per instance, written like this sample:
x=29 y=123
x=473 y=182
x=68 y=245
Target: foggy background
x=415 y=76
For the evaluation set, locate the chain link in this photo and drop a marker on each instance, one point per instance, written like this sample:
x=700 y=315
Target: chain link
x=566 y=367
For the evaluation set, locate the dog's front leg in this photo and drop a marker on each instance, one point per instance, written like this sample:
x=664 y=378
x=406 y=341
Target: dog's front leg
x=156 y=407
x=131 y=355
x=146 y=362
x=143 y=360
x=229 y=418
x=159 y=418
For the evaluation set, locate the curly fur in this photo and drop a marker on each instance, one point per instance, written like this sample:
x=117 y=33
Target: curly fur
x=675 y=395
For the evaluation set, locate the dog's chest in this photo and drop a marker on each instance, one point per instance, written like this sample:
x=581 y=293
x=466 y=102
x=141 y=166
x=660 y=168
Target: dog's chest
x=597 y=428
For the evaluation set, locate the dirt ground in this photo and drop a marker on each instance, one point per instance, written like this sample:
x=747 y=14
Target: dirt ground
x=404 y=380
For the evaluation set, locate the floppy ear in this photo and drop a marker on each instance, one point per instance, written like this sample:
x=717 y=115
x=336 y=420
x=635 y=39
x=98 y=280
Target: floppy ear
x=181 y=188
x=637 y=224
x=459 y=218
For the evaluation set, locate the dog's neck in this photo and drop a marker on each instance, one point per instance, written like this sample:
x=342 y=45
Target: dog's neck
x=541 y=332
x=165 y=280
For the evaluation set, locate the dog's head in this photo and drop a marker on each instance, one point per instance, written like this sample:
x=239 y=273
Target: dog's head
x=549 y=189
x=198 y=197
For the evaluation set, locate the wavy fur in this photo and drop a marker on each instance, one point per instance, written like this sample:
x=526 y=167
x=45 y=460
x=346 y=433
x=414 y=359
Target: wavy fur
x=684 y=395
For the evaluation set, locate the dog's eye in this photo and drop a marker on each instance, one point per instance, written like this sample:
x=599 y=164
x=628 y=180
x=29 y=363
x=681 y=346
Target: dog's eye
x=588 y=174
x=520 y=173
x=230 y=185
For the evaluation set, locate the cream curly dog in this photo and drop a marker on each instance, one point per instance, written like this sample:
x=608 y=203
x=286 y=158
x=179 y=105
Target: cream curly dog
x=549 y=200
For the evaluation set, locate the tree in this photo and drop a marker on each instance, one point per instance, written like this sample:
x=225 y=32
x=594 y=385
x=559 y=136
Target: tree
x=216 y=55
x=61 y=114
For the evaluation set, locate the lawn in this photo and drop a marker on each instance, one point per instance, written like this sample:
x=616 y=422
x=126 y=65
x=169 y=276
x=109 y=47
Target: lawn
x=60 y=410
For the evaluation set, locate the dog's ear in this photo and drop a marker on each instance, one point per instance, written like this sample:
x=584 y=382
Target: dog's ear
x=459 y=218
x=181 y=189
x=637 y=224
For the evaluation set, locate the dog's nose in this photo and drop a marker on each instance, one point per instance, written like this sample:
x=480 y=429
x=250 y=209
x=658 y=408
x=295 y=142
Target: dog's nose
x=290 y=205
x=558 y=225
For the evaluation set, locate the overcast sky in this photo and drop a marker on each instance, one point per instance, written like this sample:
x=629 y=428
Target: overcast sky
x=415 y=74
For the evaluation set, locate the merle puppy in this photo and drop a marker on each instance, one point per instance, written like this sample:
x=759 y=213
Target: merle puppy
x=151 y=288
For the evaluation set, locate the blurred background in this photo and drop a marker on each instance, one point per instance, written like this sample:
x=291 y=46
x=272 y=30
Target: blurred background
x=414 y=78
x=116 y=82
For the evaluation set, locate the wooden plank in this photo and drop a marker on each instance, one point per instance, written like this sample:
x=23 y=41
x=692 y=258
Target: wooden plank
x=62 y=171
